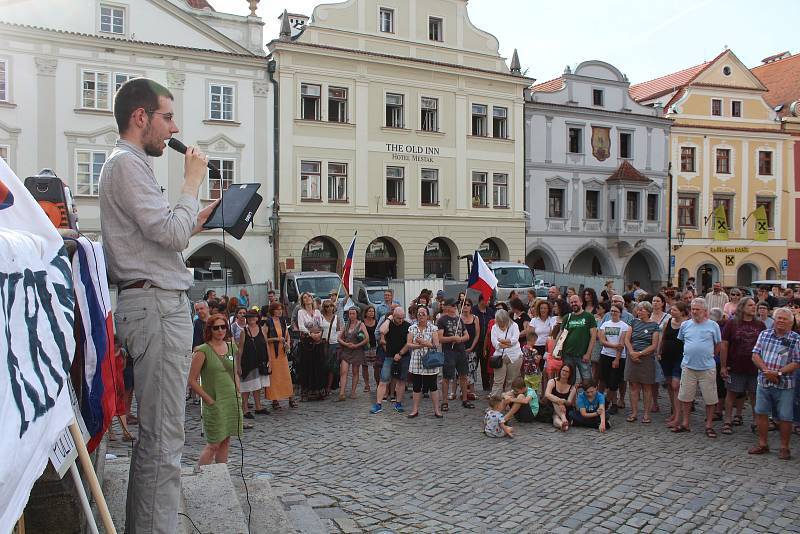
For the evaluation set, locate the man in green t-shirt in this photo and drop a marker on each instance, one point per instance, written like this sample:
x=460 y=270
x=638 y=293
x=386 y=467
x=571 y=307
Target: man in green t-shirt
x=577 y=349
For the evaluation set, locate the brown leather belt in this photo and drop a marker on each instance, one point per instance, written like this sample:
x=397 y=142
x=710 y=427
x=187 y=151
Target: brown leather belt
x=138 y=284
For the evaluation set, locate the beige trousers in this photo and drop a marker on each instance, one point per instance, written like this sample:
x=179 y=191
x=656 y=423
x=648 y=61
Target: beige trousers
x=506 y=374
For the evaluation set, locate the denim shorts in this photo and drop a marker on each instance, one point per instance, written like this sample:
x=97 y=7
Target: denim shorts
x=386 y=369
x=581 y=372
x=769 y=400
x=455 y=362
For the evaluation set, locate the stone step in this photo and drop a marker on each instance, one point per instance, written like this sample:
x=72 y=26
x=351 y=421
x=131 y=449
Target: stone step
x=267 y=514
x=211 y=500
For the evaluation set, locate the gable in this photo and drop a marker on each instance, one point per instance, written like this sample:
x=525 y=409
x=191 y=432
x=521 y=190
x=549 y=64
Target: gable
x=728 y=71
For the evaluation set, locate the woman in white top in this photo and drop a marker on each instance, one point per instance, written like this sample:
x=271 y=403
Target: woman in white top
x=307 y=314
x=542 y=324
x=505 y=340
x=423 y=336
x=612 y=335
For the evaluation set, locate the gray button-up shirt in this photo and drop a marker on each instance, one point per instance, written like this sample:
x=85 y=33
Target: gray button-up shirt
x=142 y=237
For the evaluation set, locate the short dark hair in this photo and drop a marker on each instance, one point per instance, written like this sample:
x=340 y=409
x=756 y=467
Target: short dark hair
x=134 y=94
x=518 y=383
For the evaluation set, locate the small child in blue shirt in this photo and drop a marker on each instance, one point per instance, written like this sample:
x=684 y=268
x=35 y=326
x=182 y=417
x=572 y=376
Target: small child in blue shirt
x=590 y=408
x=493 y=423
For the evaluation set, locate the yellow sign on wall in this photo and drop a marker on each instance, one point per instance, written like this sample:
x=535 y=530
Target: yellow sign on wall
x=730 y=261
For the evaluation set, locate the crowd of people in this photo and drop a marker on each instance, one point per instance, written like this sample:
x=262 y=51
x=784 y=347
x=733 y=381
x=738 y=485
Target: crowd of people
x=571 y=359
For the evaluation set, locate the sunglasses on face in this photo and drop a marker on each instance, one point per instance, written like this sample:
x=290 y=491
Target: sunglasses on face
x=219 y=327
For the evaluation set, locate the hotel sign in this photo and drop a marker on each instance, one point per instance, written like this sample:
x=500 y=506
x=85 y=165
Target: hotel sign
x=419 y=153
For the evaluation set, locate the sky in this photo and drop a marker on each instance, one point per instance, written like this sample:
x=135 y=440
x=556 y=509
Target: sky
x=644 y=39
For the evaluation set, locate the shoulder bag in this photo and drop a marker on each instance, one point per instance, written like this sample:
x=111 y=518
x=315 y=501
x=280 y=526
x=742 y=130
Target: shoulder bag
x=562 y=337
x=496 y=361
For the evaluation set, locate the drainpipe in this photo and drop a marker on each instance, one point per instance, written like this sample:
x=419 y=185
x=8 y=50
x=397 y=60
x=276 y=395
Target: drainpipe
x=276 y=130
x=669 y=226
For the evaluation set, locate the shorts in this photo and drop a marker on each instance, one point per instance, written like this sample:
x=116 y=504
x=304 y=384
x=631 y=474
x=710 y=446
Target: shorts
x=581 y=372
x=386 y=369
x=455 y=362
x=738 y=383
x=612 y=377
x=672 y=369
x=553 y=365
x=424 y=383
x=691 y=379
x=774 y=400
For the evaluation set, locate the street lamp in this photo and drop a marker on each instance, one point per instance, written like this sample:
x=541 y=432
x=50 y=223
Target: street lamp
x=273 y=226
x=681 y=235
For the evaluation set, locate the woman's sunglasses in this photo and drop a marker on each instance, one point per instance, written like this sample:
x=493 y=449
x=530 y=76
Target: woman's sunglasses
x=219 y=327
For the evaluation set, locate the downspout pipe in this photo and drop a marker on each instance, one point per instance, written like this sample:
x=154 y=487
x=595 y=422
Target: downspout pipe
x=669 y=226
x=272 y=67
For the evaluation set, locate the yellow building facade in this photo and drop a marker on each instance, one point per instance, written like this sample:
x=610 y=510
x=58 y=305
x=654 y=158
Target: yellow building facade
x=728 y=150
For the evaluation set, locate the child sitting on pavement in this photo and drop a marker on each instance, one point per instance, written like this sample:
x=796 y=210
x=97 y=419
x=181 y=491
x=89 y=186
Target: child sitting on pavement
x=493 y=423
x=522 y=402
x=590 y=408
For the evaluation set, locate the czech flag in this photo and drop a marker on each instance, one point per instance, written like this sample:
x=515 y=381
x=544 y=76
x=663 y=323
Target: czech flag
x=347 y=270
x=481 y=278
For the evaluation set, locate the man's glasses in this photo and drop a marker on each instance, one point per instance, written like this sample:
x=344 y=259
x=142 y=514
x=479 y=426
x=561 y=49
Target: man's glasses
x=167 y=116
x=219 y=327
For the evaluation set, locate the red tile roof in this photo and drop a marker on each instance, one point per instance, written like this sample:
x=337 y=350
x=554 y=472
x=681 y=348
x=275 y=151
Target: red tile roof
x=782 y=78
x=665 y=84
x=550 y=86
x=627 y=173
x=199 y=4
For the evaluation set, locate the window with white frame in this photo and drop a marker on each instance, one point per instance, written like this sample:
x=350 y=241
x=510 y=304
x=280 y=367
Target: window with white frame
x=597 y=97
x=500 y=122
x=479 y=189
x=687 y=210
x=632 y=206
x=4 y=151
x=723 y=161
x=736 y=108
x=310 y=107
x=219 y=184
x=112 y=19
x=95 y=90
x=765 y=163
x=4 y=80
x=310 y=172
x=429 y=121
x=592 y=204
x=337 y=181
x=652 y=207
x=555 y=203
x=575 y=140
x=626 y=145
x=716 y=107
x=88 y=164
x=120 y=78
x=500 y=190
x=386 y=21
x=726 y=201
x=395 y=185
x=394 y=111
x=435 y=29
x=430 y=187
x=337 y=104
x=221 y=98
x=479 y=120
x=688 y=158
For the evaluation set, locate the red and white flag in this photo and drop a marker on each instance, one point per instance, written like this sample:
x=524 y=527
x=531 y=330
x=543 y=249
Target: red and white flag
x=481 y=278
x=347 y=269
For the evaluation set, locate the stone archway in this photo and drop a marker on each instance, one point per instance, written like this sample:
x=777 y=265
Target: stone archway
x=745 y=274
x=210 y=263
x=707 y=274
x=493 y=249
x=320 y=254
x=644 y=267
x=440 y=259
x=382 y=257
x=591 y=260
x=541 y=259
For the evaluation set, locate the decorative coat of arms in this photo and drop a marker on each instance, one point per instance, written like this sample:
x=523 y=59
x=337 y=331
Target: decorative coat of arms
x=601 y=142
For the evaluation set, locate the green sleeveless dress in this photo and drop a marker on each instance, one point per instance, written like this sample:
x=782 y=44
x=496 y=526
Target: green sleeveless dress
x=224 y=418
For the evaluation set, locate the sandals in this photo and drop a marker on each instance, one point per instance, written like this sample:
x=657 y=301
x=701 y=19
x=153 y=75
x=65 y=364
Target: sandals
x=412 y=415
x=445 y=407
x=647 y=421
x=631 y=419
x=292 y=403
x=711 y=433
x=784 y=454
x=262 y=411
x=248 y=426
x=276 y=405
x=467 y=404
x=737 y=420
x=451 y=397
x=677 y=429
x=726 y=429
x=758 y=449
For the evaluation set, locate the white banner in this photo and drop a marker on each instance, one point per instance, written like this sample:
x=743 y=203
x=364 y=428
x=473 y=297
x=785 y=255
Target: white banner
x=36 y=343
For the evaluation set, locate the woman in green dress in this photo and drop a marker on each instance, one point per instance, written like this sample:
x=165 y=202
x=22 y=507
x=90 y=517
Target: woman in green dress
x=213 y=364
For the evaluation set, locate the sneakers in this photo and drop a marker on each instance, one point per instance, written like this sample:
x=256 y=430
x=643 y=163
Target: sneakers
x=377 y=408
x=398 y=407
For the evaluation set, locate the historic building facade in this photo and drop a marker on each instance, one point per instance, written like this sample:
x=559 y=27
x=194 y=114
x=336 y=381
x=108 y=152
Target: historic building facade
x=727 y=149
x=596 y=170
x=60 y=68
x=399 y=120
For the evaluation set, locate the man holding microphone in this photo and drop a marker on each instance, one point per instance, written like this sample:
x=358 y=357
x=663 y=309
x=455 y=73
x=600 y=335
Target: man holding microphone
x=143 y=239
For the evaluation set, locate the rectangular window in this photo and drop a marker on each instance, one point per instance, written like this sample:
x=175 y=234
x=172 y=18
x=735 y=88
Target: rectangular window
x=4 y=153
x=435 y=29
x=500 y=122
x=592 y=205
x=387 y=20
x=652 y=207
x=768 y=204
x=3 y=80
x=736 y=108
x=500 y=190
x=120 y=78
x=429 y=107
x=687 y=210
x=687 y=159
x=479 y=120
x=227 y=171
x=337 y=104
x=220 y=102
x=394 y=111
x=764 y=163
x=576 y=140
x=337 y=181
x=723 y=161
x=479 y=190
x=310 y=101
x=555 y=203
x=310 y=180
x=612 y=207
x=395 y=185
x=112 y=19
x=597 y=97
x=430 y=187
x=626 y=145
x=89 y=163
x=632 y=206
x=716 y=107
x=95 y=93
x=727 y=204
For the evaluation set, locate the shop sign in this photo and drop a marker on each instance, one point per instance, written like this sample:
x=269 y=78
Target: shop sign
x=730 y=261
x=729 y=250
x=419 y=153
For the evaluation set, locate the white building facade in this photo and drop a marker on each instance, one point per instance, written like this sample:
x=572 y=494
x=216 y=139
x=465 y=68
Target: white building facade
x=62 y=65
x=596 y=170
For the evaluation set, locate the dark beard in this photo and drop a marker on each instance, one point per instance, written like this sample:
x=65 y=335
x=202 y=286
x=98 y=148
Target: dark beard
x=152 y=147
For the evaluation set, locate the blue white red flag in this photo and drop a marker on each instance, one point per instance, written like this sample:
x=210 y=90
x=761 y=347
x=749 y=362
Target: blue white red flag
x=96 y=339
x=481 y=278
x=347 y=269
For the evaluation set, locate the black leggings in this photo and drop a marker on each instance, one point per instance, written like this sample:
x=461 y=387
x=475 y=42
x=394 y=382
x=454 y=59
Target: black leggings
x=612 y=377
x=424 y=383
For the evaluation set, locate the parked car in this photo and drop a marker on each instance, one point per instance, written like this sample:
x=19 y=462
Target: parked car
x=318 y=283
x=368 y=291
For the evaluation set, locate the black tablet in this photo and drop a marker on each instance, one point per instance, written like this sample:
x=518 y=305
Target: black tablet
x=236 y=210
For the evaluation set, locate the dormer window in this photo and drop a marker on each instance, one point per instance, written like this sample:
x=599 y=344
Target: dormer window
x=386 y=20
x=597 y=97
x=112 y=19
x=435 y=29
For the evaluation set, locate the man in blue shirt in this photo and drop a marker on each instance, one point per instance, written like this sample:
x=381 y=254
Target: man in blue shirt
x=701 y=340
x=590 y=408
x=385 y=307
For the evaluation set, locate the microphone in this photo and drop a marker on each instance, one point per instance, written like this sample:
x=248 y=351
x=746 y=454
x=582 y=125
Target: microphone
x=178 y=146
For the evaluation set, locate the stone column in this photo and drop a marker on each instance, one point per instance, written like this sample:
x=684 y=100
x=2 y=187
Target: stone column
x=175 y=83
x=46 y=112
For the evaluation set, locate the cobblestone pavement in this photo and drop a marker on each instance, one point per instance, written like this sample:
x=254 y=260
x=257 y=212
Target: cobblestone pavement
x=337 y=468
